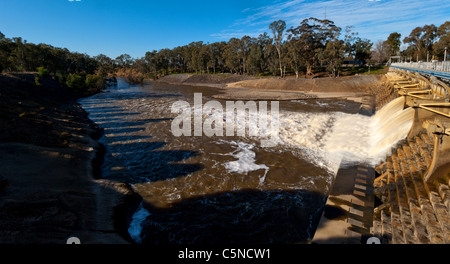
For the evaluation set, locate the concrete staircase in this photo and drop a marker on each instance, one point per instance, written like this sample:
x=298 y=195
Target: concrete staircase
x=412 y=211
x=348 y=213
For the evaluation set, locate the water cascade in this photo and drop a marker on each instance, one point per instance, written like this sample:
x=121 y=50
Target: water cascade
x=340 y=139
x=198 y=178
x=358 y=138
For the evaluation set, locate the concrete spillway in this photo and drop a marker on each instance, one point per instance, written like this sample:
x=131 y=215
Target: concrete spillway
x=390 y=124
x=413 y=182
x=412 y=179
x=363 y=139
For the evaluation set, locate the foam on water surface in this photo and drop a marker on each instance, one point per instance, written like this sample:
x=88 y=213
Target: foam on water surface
x=246 y=160
x=328 y=139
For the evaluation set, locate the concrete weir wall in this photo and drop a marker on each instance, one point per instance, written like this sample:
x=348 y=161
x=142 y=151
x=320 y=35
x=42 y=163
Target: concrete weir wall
x=405 y=199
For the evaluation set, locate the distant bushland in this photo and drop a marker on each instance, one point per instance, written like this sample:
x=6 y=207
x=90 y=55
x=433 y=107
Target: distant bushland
x=312 y=48
x=85 y=84
x=80 y=72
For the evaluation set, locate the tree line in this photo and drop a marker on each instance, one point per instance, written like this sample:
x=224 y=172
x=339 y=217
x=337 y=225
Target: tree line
x=81 y=72
x=313 y=44
x=425 y=43
x=302 y=49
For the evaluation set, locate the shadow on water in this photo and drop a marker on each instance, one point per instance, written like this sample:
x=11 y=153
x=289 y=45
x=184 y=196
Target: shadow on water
x=139 y=162
x=97 y=109
x=251 y=216
x=123 y=130
x=113 y=115
x=244 y=216
x=139 y=96
x=116 y=122
x=112 y=139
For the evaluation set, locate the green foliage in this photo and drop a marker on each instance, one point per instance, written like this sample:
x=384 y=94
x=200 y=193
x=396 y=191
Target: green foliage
x=333 y=55
x=363 y=50
x=42 y=72
x=365 y=70
x=394 y=42
x=68 y=68
x=37 y=80
x=421 y=41
x=278 y=28
x=443 y=33
x=85 y=85
x=313 y=35
x=60 y=77
x=75 y=81
x=94 y=81
x=313 y=44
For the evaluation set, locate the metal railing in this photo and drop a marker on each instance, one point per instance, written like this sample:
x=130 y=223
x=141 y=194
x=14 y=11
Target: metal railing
x=436 y=73
x=435 y=66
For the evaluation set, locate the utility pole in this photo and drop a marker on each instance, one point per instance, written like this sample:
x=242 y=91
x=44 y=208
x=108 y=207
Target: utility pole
x=445 y=54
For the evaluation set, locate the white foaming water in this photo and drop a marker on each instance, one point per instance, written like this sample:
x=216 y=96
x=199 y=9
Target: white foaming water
x=137 y=220
x=351 y=138
x=246 y=160
x=335 y=139
x=390 y=125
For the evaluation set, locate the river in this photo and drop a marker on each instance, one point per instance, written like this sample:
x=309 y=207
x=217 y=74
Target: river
x=225 y=189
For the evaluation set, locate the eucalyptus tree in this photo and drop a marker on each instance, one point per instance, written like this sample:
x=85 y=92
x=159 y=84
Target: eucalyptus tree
x=124 y=61
x=255 y=58
x=333 y=55
x=179 y=61
x=422 y=40
x=231 y=55
x=312 y=36
x=272 y=59
x=363 y=50
x=443 y=35
x=244 y=49
x=213 y=55
x=393 y=42
x=105 y=64
x=278 y=28
x=295 y=57
x=195 y=55
x=151 y=62
x=163 y=59
x=349 y=42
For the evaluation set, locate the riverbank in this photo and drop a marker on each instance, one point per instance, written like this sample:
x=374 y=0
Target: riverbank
x=49 y=159
x=241 y=87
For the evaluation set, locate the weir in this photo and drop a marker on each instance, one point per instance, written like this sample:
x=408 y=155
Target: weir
x=391 y=123
x=405 y=196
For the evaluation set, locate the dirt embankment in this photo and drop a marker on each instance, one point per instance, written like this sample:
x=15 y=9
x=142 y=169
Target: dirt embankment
x=49 y=154
x=211 y=80
x=254 y=88
x=361 y=83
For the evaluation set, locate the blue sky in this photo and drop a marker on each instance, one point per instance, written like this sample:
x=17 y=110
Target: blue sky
x=114 y=27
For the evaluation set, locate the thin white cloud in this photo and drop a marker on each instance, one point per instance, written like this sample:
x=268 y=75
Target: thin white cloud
x=228 y=35
x=372 y=19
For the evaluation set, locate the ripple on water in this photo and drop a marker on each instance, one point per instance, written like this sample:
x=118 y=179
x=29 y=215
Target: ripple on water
x=213 y=189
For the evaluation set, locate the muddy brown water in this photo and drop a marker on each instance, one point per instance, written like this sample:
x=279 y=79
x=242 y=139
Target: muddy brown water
x=203 y=189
